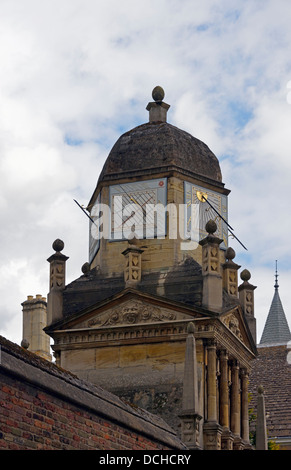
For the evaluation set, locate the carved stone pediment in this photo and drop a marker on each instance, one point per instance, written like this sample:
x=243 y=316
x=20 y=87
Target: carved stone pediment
x=132 y=312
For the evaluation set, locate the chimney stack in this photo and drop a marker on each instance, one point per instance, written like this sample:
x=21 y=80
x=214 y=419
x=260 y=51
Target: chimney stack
x=34 y=321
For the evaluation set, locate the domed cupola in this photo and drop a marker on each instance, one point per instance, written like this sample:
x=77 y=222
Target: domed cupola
x=157 y=164
x=159 y=146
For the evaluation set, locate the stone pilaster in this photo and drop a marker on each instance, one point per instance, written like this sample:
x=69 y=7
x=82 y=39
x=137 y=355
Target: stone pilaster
x=57 y=282
x=211 y=269
x=246 y=297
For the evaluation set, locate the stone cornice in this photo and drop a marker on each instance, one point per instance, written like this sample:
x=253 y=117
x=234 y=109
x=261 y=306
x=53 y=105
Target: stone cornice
x=158 y=332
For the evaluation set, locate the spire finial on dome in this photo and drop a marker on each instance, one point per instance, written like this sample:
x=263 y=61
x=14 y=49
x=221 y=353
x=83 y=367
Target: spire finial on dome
x=158 y=109
x=276 y=276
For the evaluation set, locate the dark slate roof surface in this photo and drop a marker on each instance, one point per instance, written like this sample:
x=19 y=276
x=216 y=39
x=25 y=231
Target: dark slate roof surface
x=272 y=370
x=276 y=330
x=160 y=145
x=182 y=283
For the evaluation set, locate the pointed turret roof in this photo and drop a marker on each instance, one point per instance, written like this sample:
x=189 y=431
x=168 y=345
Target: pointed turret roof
x=276 y=330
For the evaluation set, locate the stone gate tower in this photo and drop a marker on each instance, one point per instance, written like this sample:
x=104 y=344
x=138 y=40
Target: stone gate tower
x=157 y=299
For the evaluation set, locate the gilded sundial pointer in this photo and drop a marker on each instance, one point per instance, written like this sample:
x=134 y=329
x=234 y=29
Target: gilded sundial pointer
x=202 y=197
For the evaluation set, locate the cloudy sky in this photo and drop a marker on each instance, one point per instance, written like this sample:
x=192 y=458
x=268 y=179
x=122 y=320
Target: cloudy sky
x=76 y=74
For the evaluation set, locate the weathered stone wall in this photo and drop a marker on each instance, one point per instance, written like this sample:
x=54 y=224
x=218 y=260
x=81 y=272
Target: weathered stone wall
x=148 y=375
x=162 y=400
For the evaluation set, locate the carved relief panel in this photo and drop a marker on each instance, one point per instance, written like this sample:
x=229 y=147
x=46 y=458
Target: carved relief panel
x=233 y=323
x=133 y=312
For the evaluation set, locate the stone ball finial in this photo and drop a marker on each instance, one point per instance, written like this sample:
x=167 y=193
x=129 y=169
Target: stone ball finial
x=85 y=268
x=230 y=253
x=190 y=328
x=211 y=226
x=24 y=344
x=245 y=275
x=260 y=389
x=58 y=245
x=158 y=93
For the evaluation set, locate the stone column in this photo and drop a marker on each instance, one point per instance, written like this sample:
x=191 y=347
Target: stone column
x=235 y=404
x=224 y=390
x=57 y=282
x=245 y=434
x=211 y=269
x=211 y=382
x=212 y=430
x=190 y=418
x=226 y=437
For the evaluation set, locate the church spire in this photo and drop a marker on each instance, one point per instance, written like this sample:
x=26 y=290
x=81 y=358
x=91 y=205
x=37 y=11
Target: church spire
x=276 y=330
x=276 y=277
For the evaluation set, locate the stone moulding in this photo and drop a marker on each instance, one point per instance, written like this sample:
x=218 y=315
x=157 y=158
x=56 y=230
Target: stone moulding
x=175 y=330
x=121 y=334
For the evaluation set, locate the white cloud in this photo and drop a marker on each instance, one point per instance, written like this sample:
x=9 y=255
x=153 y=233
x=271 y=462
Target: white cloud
x=75 y=75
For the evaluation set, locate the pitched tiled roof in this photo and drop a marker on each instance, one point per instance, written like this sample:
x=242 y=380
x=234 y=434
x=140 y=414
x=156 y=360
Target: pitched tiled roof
x=272 y=370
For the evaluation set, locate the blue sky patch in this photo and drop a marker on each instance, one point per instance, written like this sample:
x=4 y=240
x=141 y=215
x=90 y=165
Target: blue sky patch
x=73 y=141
